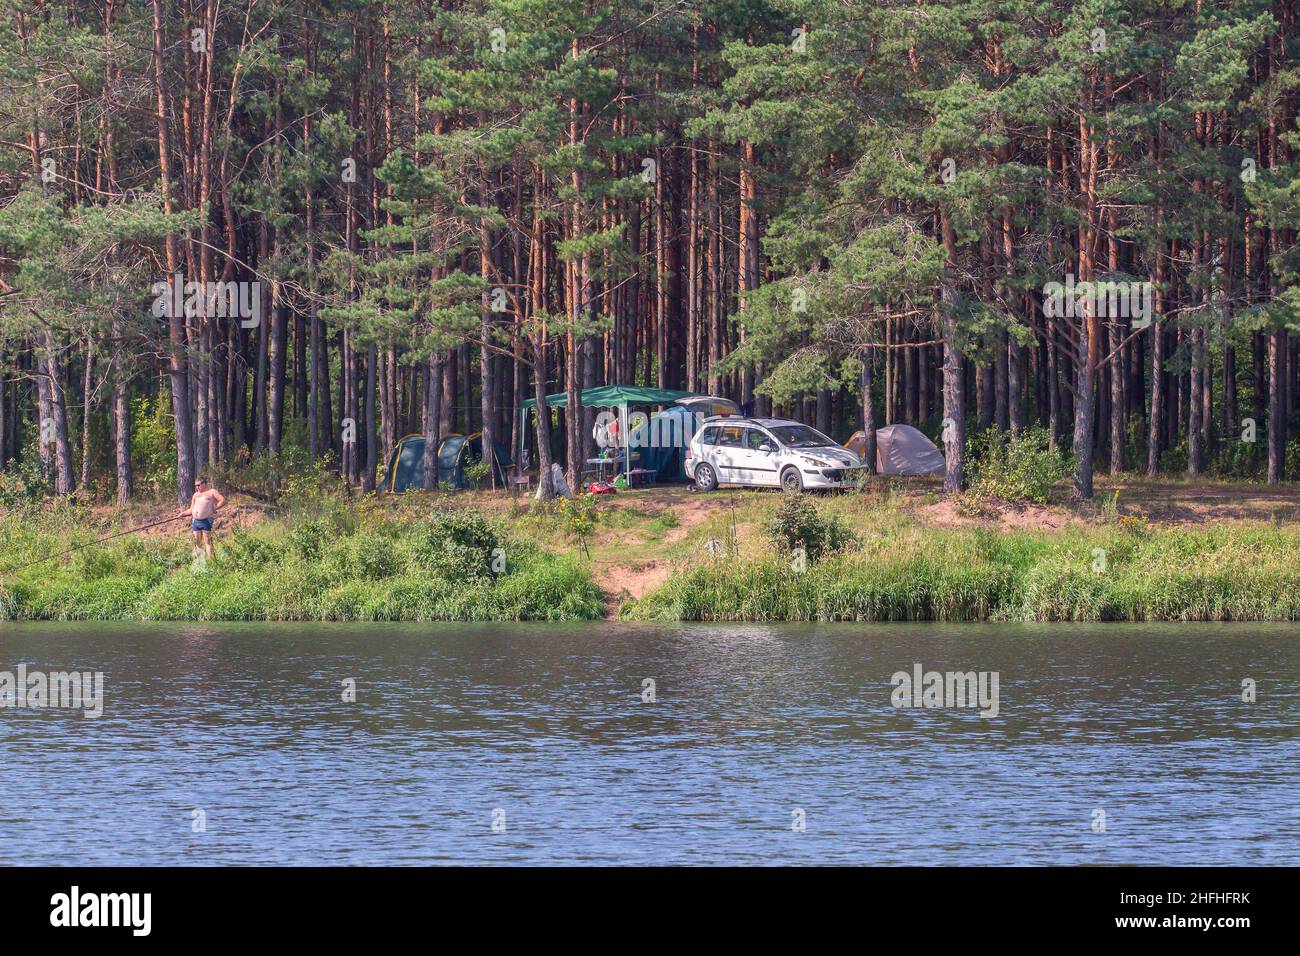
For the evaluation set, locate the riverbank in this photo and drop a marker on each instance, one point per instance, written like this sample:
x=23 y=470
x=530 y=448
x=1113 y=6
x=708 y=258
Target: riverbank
x=334 y=563
x=905 y=573
x=1140 y=551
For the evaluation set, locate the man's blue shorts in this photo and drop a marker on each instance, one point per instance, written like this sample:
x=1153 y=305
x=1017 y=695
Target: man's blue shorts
x=201 y=524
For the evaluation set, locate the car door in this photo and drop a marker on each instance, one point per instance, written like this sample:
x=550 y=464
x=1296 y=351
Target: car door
x=760 y=458
x=728 y=454
x=745 y=457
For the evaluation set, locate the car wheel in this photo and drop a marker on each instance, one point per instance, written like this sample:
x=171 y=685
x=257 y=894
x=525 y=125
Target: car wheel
x=705 y=479
x=791 y=481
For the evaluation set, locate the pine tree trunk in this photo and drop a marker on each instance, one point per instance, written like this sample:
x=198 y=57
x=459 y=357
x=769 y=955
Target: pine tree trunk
x=487 y=383
x=121 y=423
x=4 y=414
x=693 y=273
x=262 y=344
x=1084 y=410
x=450 y=375
x=1195 y=383
x=178 y=368
x=278 y=346
x=954 y=406
x=1155 y=418
x=432 y=417
x=868 y=415
x=372 y=437
x=1277 y=347
x=87 y=391
x=58 y=416
x=747 y=262
x=1089 y=338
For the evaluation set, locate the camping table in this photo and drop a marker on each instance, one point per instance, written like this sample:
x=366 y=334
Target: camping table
x=641 y=476
x=601 y=464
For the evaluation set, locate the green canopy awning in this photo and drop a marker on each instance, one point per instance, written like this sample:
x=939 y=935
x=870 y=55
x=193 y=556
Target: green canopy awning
x=612 y=396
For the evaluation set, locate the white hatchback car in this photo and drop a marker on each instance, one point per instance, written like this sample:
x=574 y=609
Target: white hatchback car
x=771 y=452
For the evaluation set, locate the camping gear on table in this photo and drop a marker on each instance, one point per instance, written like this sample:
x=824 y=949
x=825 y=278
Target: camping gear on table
x=901 y=450
x=707 y=406
x=605 y=461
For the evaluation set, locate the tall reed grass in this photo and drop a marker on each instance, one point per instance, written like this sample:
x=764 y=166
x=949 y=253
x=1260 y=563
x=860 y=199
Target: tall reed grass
x=1081 y=573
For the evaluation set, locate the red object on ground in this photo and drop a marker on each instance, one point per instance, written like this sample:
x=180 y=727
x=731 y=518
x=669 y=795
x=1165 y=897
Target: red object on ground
x=600 y=488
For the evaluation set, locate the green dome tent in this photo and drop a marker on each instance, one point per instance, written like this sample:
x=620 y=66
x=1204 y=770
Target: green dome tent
x=406 y=464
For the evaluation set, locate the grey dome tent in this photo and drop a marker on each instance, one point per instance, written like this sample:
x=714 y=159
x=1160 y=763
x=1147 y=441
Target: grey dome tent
x=901 y=450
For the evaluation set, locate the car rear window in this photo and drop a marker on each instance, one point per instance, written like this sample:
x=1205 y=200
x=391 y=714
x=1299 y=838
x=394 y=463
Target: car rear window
x=709 y=436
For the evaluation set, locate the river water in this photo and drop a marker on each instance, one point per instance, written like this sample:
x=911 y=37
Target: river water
x=528 y=744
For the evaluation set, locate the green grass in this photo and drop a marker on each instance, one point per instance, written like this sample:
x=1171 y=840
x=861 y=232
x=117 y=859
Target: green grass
x=335 y=566
x=906 y=573
x=341 y=561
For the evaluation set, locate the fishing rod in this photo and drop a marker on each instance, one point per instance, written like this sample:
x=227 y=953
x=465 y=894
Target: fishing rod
x=117 y=534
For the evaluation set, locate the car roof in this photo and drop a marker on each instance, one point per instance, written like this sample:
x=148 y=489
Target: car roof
x=742 y=420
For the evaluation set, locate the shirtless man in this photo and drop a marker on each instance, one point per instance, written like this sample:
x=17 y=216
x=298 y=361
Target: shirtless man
x=202 y=507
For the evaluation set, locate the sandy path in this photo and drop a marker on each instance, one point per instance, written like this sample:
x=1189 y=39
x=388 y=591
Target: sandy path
x=633 y=575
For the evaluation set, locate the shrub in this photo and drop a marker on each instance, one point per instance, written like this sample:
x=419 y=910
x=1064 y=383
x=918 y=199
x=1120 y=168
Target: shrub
x=456 y=545
x=153 y=443
x=797 y=523
x=370 y=556
x=477 y=473
x=307 y=539
x=94 y=562
x=24 y=484
x=1016 y=468
x=578 y=518
x=312 y=487
x=1138 y=523
x=248 y=552
x=466 y=527
x=1243 y=460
